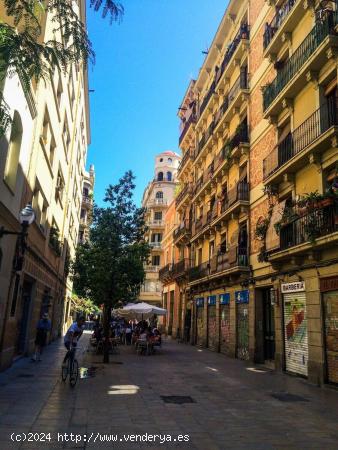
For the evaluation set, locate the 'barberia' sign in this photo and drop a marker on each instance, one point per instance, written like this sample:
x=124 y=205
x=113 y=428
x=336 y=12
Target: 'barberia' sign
x=297 y=286
x=329 y=284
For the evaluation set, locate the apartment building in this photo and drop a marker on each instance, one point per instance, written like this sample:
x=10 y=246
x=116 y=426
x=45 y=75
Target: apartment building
x=157 y=197
x=258 y=201
x=42 y=163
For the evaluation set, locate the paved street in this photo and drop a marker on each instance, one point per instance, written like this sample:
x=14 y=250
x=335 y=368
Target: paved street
x=235 y=405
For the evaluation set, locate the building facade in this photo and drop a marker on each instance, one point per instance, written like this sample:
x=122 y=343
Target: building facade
x=87 y=204
x=42 y=163
x=258 y=202
x=157 y=196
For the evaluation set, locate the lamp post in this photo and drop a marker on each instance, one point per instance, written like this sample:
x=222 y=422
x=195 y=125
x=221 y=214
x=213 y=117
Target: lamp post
x=26 y=218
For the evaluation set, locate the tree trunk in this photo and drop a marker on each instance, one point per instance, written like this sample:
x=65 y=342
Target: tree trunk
x=106 y=333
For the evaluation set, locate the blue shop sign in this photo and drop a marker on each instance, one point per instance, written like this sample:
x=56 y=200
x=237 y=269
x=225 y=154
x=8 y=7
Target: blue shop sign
x=212 y=300
x=199 y=301
x=242 y=296
x=224 y=299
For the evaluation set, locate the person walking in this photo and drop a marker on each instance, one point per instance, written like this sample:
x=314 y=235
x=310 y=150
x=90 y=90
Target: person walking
x=128 y=334
x=43 y=327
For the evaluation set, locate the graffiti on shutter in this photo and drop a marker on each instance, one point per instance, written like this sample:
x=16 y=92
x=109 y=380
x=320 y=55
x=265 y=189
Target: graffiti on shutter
x=200 y=322
x=295 y=333
x=331 y=335
x=242 y=324
x=212 y=329
x=224 y=300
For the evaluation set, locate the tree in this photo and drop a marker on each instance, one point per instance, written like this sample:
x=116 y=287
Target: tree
x=24 y=50
x=109 y=268
x=83 y=305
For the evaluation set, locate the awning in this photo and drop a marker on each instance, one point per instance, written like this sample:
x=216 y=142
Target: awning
x=140 y=311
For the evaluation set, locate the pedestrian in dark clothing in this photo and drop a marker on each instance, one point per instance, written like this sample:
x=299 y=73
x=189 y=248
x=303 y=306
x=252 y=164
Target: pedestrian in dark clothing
x=43 y=326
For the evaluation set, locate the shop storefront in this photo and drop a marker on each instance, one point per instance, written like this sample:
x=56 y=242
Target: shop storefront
x=200 y=321
x=242 y=324
x=224 y=313
x=329 y=290
x=295 y=327
x=212 y=328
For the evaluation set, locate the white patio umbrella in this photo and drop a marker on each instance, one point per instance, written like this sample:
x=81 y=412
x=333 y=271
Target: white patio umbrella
x=140 y=311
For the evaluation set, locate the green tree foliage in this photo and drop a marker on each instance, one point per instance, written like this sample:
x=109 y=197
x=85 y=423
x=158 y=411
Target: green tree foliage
x=84 y=305
x=24 y=49
x=109 y=268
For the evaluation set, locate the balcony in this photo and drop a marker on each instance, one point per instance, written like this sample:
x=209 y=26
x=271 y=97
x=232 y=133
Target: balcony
x=183 y=232
x=204 y=139
x=313 y=136
x=236 y=260
x=87 y=201
x=318 y=228
x=233 y=102
x=180 y=269
x=236 y=200
x=207 y=97
x=153 y=269
x=285 y=20
x=309 y=58
x=192 y=119
x=155 y=224
x=235 y=51
x=155 y=245
x=159 y=202
x=165 y=273
x=186 y=157
x=184 y=195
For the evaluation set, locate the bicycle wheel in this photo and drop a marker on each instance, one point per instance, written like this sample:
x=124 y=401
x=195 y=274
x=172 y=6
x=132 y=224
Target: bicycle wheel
x=74 y=373
x=64 y=371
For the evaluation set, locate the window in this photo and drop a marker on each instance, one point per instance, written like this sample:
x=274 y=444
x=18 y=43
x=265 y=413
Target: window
x=161 y=159
x=13 y=155
x=170 y=160
x=223 y=246
x=158 y=215
x=199 y=256
x=156 y=260
x=169 y=176
x=156 y=237
x=47 y=138
x=211 y=249
x=65 y=133
x=160 y=176
x=60 y=185
x=159 y=194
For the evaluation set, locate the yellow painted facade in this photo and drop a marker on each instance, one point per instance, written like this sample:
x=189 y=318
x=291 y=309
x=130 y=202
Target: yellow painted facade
x=258 y=135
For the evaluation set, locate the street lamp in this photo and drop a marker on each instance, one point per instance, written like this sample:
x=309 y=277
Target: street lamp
x=26 y=218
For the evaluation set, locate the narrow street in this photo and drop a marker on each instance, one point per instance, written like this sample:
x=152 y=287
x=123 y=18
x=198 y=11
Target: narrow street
x=233 y=404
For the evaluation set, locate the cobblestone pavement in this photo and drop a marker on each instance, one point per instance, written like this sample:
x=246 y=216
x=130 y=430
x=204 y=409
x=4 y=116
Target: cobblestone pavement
x=235 y=405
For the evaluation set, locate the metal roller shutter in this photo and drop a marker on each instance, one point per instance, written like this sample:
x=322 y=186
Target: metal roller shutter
x=295 y=333
x=331 y=335
x=225 y=328
x=212 y=329
x=199 y=323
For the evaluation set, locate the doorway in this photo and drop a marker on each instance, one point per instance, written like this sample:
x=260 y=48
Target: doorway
x=26 y=301
x=268 y=326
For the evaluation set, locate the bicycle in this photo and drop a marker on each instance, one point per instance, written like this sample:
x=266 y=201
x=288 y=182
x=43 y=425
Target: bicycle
x=71 y=368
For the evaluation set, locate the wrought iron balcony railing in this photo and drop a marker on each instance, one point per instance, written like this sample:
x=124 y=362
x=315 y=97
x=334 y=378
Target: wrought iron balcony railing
x=236 y=257
x=192 y=119
x=237 y=193
x=313 y=225
x=165 y=273
x=272 y=28
x=294 y=143
x=243 y=33
x=183 y=229
x=180 y=268
x=301 y=55
x=184 y=160
x=185 y=191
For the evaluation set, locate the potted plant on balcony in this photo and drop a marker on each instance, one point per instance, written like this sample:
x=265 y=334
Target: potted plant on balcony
x=261 y=229
x=289 y=215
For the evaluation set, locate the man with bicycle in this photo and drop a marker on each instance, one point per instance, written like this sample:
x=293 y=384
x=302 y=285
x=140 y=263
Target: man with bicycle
x=73 y=335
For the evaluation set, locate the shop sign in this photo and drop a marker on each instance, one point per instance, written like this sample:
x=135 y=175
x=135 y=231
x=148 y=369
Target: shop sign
x=329 y=284
x=212 y=300
x=298 y=286
x=242 y=296
x=200 y=301
x=224 y=299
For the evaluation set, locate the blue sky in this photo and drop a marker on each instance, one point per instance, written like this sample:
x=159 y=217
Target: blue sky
x=143 y=67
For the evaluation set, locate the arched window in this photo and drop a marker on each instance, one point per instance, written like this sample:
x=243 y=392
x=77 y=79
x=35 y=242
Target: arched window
x=160 y=176
x=13 y=155
x=159 y=194
x=169 y=176
x=161 y=159
x=170 y=160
